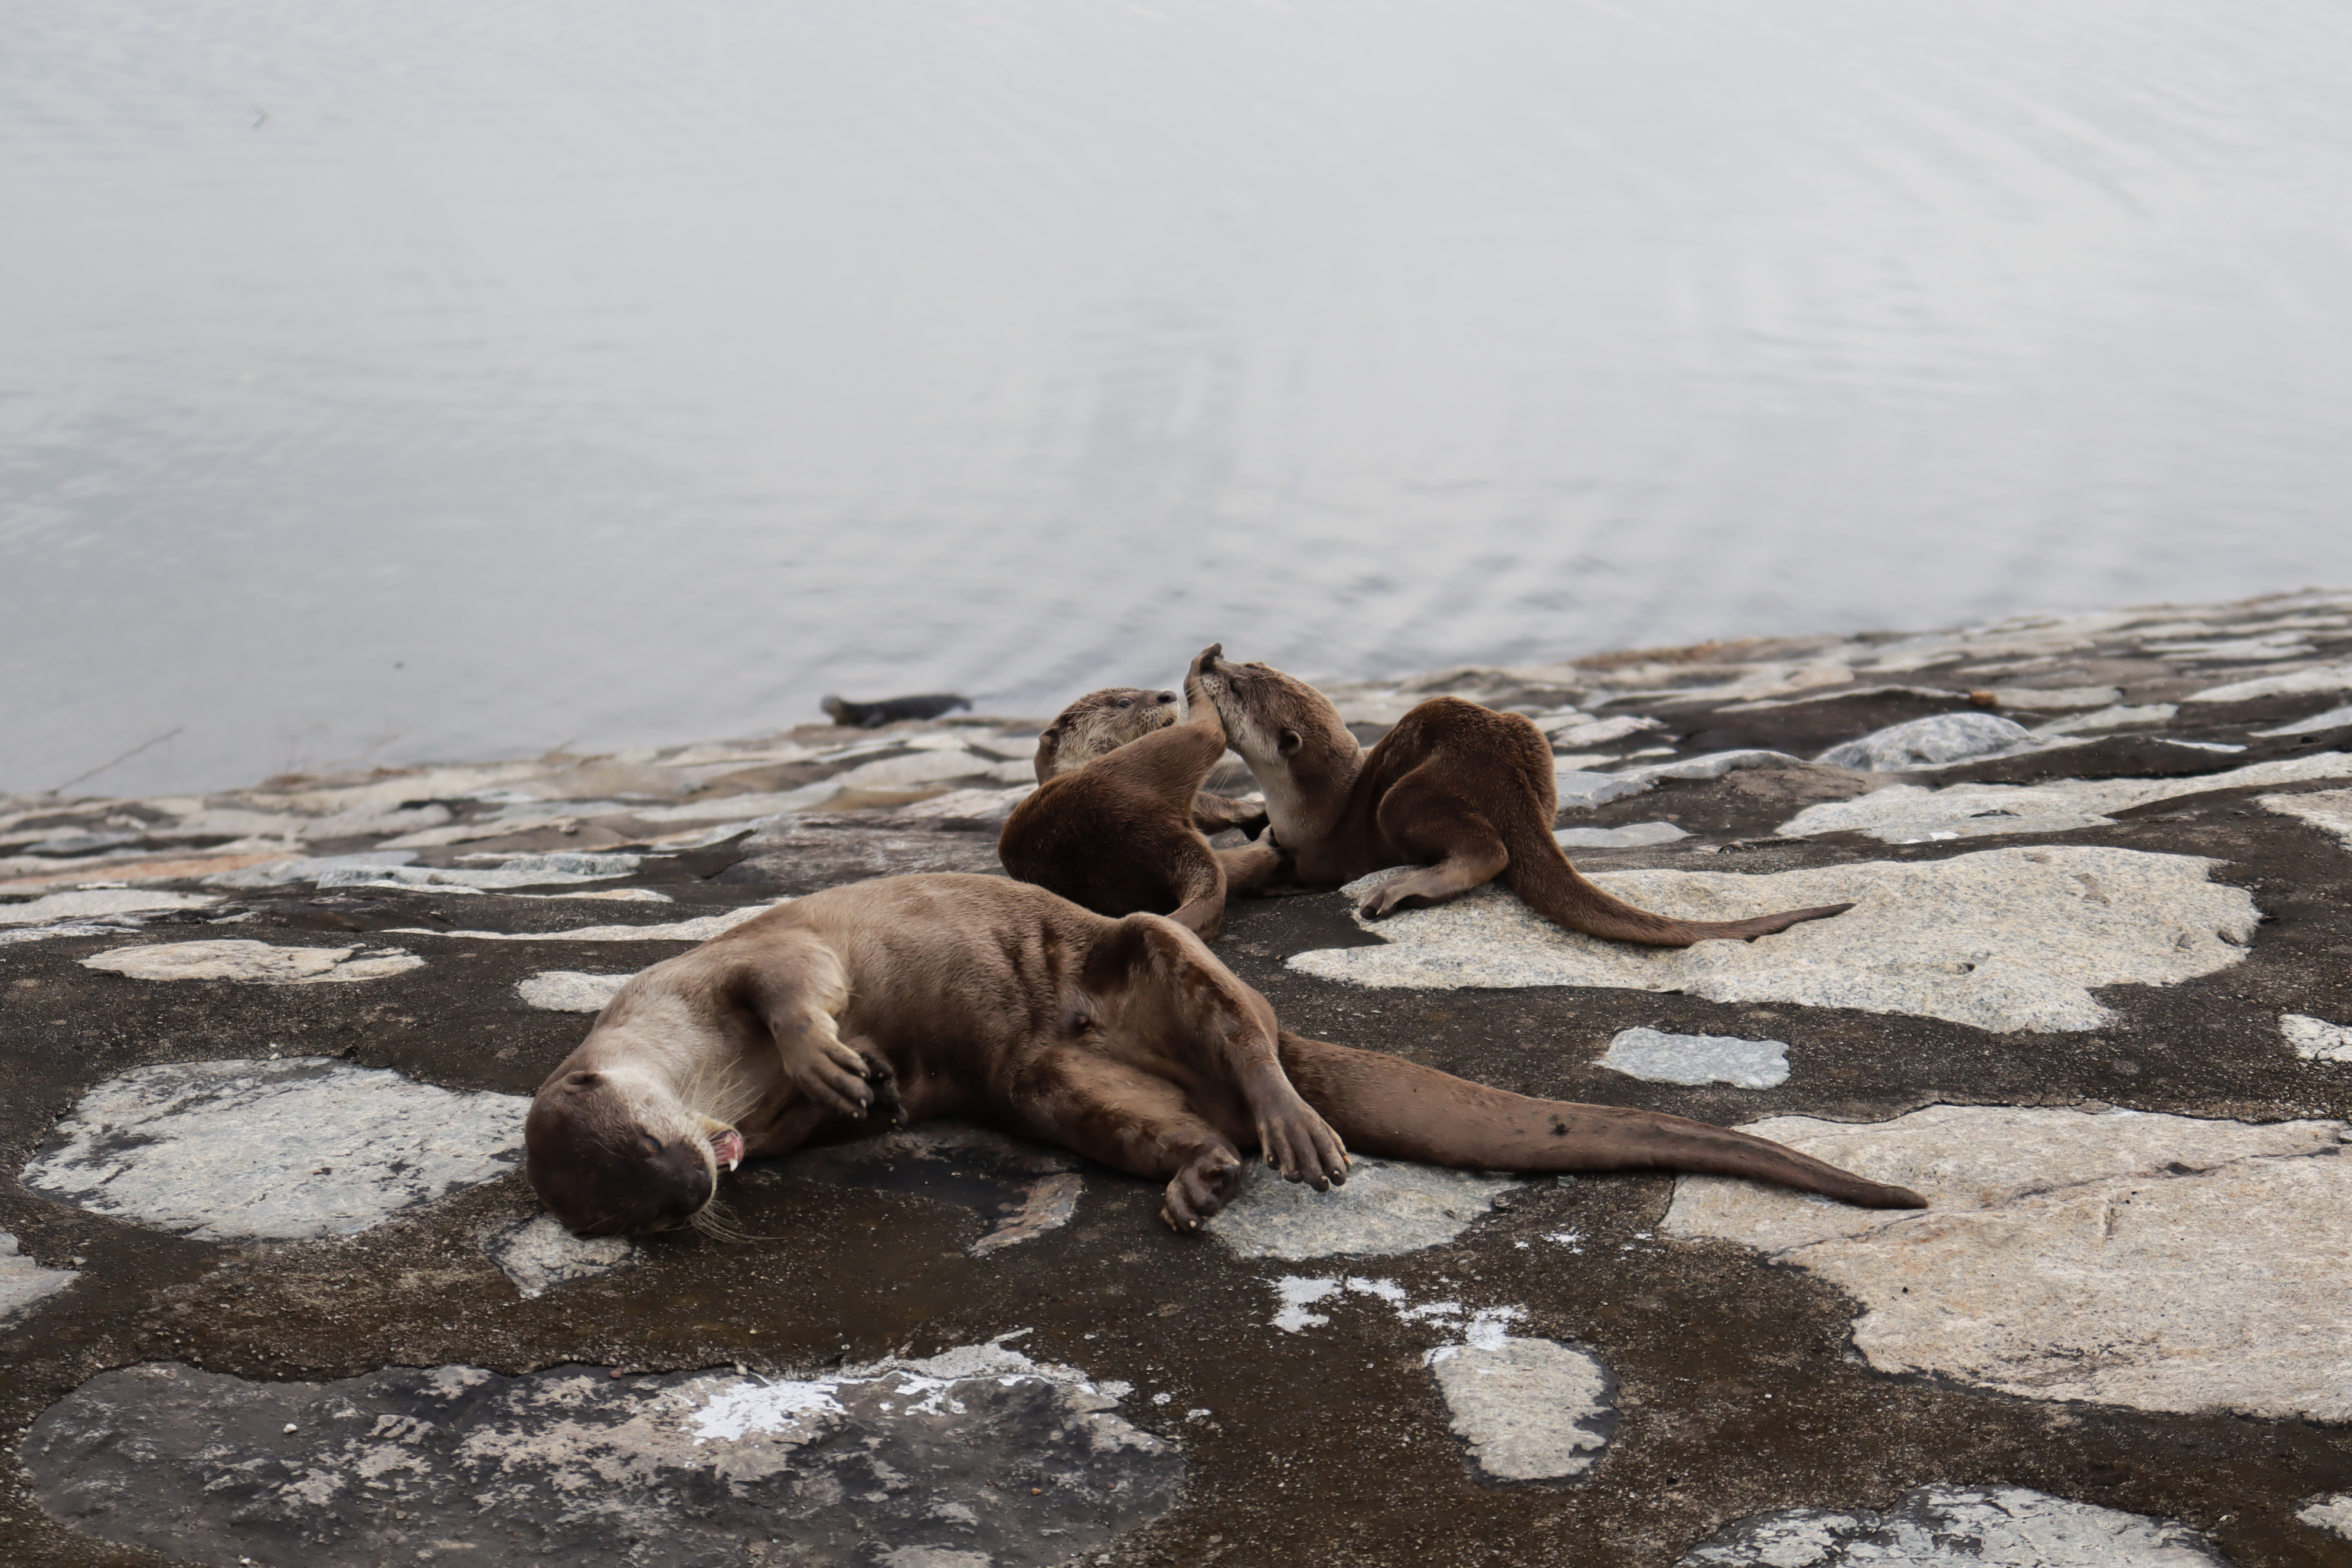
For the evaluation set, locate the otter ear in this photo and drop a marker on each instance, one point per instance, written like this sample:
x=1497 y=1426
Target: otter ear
x=1289 y=743
x=1049 y=745
x=584 y=1081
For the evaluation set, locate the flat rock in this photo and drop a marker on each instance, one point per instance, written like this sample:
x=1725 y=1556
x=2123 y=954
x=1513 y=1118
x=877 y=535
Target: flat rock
x=274 y=1150
x=1635 y=836
x=1938 y=738
x=1386 y=1208
x=1584 y=789
x=1697 y=1059
x=804 y=855
x=92 y=902
x=1913 y=814
x=2002 y=940
x=24 y=1283
x=570 y=990
x=1531 y=1410
x=539 y=1253
x=2296 y=683
x=2317 y=1040
x=976 y=1456
x=309 y=868
x=2330 y=810
x=254 y=962
x=701 y=928
x=2333 y=718
x=514 y=871
x=2163 y=1262
x=1957 y=1526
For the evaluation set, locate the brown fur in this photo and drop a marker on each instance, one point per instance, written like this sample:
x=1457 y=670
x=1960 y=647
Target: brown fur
x=855 y=1009
x=1460 y=790
x=1116 y=821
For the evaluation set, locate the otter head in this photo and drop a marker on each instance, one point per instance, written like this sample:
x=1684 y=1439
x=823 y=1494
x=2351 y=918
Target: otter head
x=1099 y=722
x=622 y=1155
x=1302 y=756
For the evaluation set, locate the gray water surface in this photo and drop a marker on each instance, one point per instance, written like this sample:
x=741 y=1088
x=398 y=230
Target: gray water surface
x=386 y=382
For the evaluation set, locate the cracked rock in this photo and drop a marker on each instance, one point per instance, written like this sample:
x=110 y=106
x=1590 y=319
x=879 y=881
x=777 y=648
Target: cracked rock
x=1531 y=1410
x=274 y=1150
x=254 y=962
x=1386 y=1208
x=978 y=1455
x=2001 y=940
x=2162 y=1262
x=25 y=1283
x=1699 y=1059
x=1957 y=1526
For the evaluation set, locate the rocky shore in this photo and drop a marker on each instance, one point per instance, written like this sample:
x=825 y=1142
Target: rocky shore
x=273 y=1290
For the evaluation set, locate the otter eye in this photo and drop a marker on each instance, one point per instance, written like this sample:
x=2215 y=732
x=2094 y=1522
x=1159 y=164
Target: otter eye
x=1127 y=702
x=649 y=1145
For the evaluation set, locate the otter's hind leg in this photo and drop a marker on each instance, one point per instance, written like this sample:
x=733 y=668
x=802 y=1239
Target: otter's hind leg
x=1134 y=1122
x=1458 y=848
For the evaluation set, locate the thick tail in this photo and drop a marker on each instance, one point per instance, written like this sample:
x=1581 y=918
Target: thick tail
x=1380 y=1104
x=1542 y=878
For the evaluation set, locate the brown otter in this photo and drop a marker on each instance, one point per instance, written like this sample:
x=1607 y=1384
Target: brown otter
x=1116 y=821
x=863 y=1007
x=1463 y=791
x=890 y=709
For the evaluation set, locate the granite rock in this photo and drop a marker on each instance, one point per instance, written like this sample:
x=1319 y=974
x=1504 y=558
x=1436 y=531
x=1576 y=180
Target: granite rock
x=2317 y=1040
x=1925 y=743
x=24 y=1284
x=1697 y=1059
x=254 y=962
x=1385 y=1207
x=947 y=1457
x=2001 y=940
x=1531 y=1410
x=1957 y=1526
x=2330 y=810
x=2161 y=1262
x=539 y=1253
x=2294 y=683
x=570 y=990
x=1634 y=835
x=275 y=1150
x=2333 y=1514
x=700 y=928
x=91 y=903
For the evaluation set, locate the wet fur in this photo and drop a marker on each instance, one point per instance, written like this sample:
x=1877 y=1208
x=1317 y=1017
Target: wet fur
x=858 y=1009
x=1462 y=791
x=1118 y=820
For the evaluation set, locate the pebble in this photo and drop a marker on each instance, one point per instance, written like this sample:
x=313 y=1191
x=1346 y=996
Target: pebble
x=2161 y=1262
x=273 y=1151
x=939 y=1460
x=1939 y=738
x=254 y=962
x=1957 y=1526
x=2001 y=940
x=1385 y=1207
x=1697 y=1059
x=24 y=1283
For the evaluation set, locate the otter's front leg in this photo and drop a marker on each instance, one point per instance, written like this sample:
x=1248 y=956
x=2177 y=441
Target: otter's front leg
x=797 y=986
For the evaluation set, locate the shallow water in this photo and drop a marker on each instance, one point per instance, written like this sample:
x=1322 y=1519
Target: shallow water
x=383 y=383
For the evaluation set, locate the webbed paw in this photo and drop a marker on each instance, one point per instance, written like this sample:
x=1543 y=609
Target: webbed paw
x=1302 y=1146
x=1202 y=1187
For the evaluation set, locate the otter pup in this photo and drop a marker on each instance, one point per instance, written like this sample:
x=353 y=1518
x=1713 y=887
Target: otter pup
x=1460 y=790
x=1117 y=822
x=853 y=1010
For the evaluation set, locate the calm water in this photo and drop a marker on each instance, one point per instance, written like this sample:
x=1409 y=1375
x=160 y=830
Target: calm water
x=386 y=381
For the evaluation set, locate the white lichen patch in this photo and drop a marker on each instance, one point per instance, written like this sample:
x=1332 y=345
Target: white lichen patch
x=277 y=1150
x=2330 y=810
x=2001 y=940
x=921 y=1461
x=254 y=962
x=570 y=990
x=2163 y=1262
x=539 y=1253
x=24 y=1284
x=1697 y=1059
x=1531 y=1410
x=1913 y=814
x=1636 y=836
x=1385 y=1207
x=2333 y=1514
x=2317 y=1040
x=1957 y=1526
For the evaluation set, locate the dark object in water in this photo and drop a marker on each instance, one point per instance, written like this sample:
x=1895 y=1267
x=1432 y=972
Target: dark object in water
x=890 y=709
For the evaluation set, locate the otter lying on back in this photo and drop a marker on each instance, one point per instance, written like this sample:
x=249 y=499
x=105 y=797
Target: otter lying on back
x=1460 y=790
x=1116 y=823
x=852 y=1011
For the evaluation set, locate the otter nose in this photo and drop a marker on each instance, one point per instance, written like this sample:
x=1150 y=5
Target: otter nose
x=1165 y=696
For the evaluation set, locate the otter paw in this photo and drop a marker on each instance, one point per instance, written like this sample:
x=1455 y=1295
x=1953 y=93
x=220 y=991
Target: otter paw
x=1302 y=1146
x=1387 y=898
x=1200 y=1189
x=835 y=1076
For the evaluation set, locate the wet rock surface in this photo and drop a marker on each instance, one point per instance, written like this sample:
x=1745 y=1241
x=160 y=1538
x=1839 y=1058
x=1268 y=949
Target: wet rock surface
x=1960 y=1526
x=1313 y=1424
x=942 y=1455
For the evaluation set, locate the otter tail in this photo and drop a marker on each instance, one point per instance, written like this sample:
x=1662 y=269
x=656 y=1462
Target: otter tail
x=1383 y=1105
x=1540 y=875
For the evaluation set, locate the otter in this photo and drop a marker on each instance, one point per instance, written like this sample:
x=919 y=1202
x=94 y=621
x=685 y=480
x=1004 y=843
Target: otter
x=862 y=1007
x=1118 y=819
x=1462 y=791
